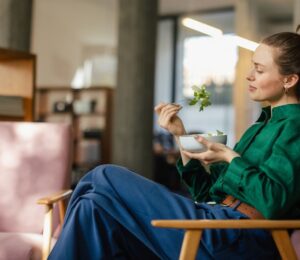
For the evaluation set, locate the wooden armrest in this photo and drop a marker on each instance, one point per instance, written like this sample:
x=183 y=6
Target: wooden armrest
x=48 y=202
x=64 y=194
x=227 y=224
x=194 y=228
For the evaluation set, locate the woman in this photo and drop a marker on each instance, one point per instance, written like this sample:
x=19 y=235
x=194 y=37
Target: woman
x=110 y=211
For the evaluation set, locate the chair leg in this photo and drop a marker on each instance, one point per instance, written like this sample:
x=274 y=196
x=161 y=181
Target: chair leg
x=283 y=243
x=62 y=211
x=190 y=244
x=47 y=233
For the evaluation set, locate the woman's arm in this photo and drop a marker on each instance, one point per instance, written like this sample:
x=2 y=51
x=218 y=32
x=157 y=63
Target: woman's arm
x=197 y=179
x=169 y=120
x=192 y=173
x=215 y=152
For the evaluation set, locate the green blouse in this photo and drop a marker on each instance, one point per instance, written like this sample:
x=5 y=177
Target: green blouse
x=266 y=176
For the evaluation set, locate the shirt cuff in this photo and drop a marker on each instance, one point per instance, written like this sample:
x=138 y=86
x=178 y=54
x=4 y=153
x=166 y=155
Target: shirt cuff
x=191 y=165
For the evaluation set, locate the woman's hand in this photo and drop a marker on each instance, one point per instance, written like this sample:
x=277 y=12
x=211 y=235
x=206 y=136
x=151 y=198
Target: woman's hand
x=168 y=118
x=216 y=152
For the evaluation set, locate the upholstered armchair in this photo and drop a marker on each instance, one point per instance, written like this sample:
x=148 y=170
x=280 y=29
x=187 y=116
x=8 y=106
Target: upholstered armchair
x=288 y=246
x=35 y=160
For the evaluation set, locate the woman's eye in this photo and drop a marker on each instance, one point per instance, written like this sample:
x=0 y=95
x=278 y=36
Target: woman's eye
x=259 y=71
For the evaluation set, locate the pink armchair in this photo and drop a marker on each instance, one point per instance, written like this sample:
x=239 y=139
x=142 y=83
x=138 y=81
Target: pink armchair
x=35 y=160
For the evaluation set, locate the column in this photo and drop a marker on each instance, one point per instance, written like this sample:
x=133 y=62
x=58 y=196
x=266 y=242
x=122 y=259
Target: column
x=15 y=24
x=246 y=23
x=296 y=18
x=133 y=104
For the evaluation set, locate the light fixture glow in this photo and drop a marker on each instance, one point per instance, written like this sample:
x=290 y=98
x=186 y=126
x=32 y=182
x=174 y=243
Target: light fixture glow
x=215 y=32
x=201 y=27
x=245 y=43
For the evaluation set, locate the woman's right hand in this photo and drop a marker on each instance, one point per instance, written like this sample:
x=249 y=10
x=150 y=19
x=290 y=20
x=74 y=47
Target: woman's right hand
x=168 y=118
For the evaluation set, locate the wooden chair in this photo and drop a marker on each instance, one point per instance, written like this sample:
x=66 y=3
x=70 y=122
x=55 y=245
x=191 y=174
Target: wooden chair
x=194 y=228
x=35 y=160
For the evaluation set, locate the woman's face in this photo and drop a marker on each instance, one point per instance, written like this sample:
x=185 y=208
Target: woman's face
x=265 y=81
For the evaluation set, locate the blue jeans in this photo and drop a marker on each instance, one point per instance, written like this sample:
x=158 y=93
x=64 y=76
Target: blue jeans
x=109 y=217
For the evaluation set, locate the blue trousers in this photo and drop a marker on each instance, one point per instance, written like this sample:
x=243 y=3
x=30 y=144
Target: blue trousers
x=109 y=217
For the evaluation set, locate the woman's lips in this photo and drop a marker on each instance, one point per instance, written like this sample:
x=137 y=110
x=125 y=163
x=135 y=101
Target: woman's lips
x=252 y=89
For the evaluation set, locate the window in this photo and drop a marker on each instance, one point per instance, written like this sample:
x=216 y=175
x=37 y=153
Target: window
x=210 y=61
x=207 y=60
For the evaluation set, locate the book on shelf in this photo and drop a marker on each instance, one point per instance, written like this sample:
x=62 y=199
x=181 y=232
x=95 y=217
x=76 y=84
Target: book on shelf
x=11 y=106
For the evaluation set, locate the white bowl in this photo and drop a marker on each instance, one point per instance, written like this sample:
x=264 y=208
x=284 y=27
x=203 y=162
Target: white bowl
x=189 y=142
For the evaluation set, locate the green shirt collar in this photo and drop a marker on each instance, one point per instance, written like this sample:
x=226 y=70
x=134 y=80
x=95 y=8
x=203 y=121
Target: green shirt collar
x=278 y=113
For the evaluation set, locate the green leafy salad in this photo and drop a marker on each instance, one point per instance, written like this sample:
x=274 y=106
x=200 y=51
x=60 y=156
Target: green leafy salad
x=201 y=97
x=218 y=132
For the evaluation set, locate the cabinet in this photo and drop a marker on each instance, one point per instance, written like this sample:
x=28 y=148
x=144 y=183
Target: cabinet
x=17 y=74
x=89 y=111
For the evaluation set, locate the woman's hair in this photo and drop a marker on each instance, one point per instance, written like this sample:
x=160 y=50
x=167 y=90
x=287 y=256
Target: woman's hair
x=288 y=56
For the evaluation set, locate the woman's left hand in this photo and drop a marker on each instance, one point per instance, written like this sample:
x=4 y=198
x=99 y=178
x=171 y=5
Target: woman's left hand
x=216 y=152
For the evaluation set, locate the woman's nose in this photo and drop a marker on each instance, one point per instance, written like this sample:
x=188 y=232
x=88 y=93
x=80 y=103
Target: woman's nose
x=250 y=76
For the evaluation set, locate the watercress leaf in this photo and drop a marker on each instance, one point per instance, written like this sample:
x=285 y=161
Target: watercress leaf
x=195 y=88
x=220 y=132
x=201 y=96
x=193 y=102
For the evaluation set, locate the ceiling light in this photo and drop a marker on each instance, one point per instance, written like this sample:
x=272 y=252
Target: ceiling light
x=245 y=43
x=201 y=27
x=216 y=32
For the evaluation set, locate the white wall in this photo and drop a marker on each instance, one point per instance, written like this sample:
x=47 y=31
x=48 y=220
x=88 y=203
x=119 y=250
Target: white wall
x=65 y=30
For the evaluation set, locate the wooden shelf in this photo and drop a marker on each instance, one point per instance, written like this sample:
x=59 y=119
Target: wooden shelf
x=98 y=118
x=68 y=113
x=11 y=118
x=17 y=74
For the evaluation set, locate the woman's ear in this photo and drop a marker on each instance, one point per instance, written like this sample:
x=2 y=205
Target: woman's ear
x=291 y=80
